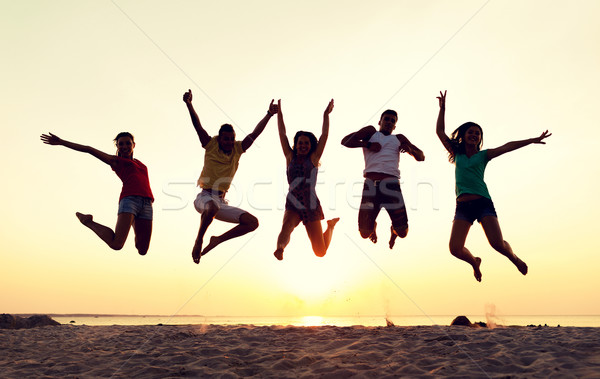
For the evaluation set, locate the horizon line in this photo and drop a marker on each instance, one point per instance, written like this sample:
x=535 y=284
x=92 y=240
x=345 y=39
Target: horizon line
x=256 y=316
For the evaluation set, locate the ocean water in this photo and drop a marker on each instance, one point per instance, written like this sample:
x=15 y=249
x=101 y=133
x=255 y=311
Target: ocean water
x=549 y=320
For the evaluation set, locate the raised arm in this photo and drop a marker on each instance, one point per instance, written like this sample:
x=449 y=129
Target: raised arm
x=285 y=144
x=408 y=147
x=361 y=139
x=202 y=134
x=514 y=145
x=324 y=132
x=250 y=138
x=440 y=128
x=51 y=139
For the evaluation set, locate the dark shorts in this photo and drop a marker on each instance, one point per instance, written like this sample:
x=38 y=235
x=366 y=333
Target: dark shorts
x=139 y=206
x=379 y=194
x=474 y=209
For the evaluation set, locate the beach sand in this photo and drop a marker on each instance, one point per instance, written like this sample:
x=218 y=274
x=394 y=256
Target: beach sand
x=290 y=352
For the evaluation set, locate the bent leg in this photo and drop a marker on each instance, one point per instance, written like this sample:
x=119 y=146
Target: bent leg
x=368 y=211
x=399 y=226
x=395 y=233
x=115 y=240
x=393 y=236
x=491 y=227
x=458 y=237
x=246 y=224
x=329 y=231
x=143 y=231
x=315 y=235
x=291 y=219
x=208 y=214
x=392 y=200
x=318 y=239
x=367 y=226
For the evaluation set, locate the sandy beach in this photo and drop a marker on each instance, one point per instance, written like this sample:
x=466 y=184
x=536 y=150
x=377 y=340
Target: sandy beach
x=290 y=352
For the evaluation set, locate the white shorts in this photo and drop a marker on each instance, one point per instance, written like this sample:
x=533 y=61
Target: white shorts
x=225 y=213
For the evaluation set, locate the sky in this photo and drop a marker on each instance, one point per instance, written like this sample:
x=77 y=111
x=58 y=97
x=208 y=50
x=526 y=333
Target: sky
x=87 y=70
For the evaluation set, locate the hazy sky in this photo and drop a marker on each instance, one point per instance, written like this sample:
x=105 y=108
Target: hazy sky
x=86 y=70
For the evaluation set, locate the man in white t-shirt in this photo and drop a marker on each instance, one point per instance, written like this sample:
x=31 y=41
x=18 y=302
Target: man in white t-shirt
x=381 y=189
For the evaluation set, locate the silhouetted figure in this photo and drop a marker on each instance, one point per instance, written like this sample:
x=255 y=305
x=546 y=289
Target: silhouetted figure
x=221 y=160
x=381 y=189
x=135 y=201
x=302 y=203
x=473 y=201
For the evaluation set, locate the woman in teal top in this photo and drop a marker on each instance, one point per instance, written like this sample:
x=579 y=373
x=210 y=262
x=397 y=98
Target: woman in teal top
x=473 y=201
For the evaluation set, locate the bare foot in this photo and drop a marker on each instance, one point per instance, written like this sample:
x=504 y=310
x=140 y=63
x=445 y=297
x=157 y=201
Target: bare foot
x=373 y=236
x=84 y=219
x=331 y=223
x=393 y=237
x=196 y=252
x=476 y=271
x=522 y=266
x=214 y=242
x=278 y=254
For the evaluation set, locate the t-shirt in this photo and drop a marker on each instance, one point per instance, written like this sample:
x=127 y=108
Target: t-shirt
x=387 y=159
x=469 y=174
x=219 y=168
x=134 y=176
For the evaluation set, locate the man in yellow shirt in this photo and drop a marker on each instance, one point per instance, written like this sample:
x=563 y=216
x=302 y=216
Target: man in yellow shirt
x=221 y=161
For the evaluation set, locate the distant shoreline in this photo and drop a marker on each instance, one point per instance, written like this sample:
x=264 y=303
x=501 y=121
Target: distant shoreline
x=270 y=316
x=364 y=320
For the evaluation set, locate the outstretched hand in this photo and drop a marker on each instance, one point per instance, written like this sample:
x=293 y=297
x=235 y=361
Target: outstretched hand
x=274 y=108
x=442 y=100
x=329 y=108
x=540 y=139
x=50 y=139
x=187 y=97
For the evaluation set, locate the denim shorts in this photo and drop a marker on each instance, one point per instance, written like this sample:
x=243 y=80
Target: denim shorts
x=139 y=206
x=474 y=209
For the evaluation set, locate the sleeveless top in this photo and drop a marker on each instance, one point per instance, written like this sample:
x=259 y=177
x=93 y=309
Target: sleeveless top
x=302 y=195
x=387 y=159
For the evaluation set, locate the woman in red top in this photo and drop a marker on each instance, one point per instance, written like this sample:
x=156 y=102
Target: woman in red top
x=135 y=202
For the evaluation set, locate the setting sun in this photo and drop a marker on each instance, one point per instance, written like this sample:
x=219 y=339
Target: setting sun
x=312 y=321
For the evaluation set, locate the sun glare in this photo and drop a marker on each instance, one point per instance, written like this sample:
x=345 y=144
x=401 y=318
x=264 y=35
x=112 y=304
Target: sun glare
x=313 y=280
x=312 y=321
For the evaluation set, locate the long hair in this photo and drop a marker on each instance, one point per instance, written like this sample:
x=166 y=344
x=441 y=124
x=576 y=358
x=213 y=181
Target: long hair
x=311 y=138
x=123 y=134
x=457 y=140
